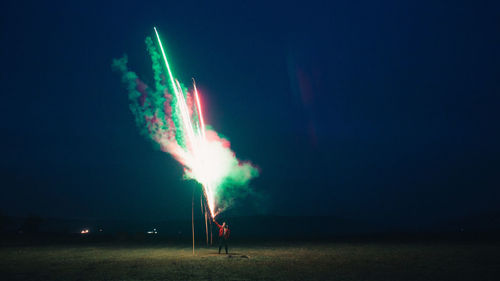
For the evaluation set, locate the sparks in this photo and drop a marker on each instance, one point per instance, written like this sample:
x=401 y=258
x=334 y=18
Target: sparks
x=173 y=117
x=198 y=152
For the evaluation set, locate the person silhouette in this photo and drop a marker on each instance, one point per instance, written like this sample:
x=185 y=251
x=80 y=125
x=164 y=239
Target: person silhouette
x=223 y=235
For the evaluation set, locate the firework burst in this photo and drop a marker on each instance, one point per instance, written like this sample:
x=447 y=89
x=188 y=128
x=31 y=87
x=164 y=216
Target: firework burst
x=172 y=117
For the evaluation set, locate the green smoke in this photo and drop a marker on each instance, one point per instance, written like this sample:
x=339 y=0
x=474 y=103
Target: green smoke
x=159 y=116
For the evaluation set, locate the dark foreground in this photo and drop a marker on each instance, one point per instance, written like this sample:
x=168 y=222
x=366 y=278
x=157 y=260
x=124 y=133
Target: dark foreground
x=278 y=261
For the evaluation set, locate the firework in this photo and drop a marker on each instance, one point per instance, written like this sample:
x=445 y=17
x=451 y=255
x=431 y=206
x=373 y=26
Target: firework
x=172 y=117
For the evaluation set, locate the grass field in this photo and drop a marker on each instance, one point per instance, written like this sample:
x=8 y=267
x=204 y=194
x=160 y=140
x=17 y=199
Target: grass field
x=270 y=261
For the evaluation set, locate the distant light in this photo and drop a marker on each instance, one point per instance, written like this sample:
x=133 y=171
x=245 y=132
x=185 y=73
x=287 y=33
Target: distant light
x=84 y=231
x=153 y=231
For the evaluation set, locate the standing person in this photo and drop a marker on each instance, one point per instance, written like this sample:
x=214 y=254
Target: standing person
x=223 y=235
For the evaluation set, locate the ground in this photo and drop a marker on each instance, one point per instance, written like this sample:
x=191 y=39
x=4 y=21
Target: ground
x=268 y=261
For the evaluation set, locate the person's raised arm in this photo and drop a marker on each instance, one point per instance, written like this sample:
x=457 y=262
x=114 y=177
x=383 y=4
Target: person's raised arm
x=218 y=225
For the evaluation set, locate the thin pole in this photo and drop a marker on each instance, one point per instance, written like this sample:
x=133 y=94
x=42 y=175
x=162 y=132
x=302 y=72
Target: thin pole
x=206 y=226
x=201 y=205
x=204 y=208
x=192 y=218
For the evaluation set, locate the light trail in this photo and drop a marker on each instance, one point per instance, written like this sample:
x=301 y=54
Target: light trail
x=198 y=162
x=200 y=114
x=172 y=116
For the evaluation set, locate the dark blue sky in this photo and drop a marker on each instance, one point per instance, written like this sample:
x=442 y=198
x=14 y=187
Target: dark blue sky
x=382 y=111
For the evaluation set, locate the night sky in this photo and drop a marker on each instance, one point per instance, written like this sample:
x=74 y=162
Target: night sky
x=383 y=111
